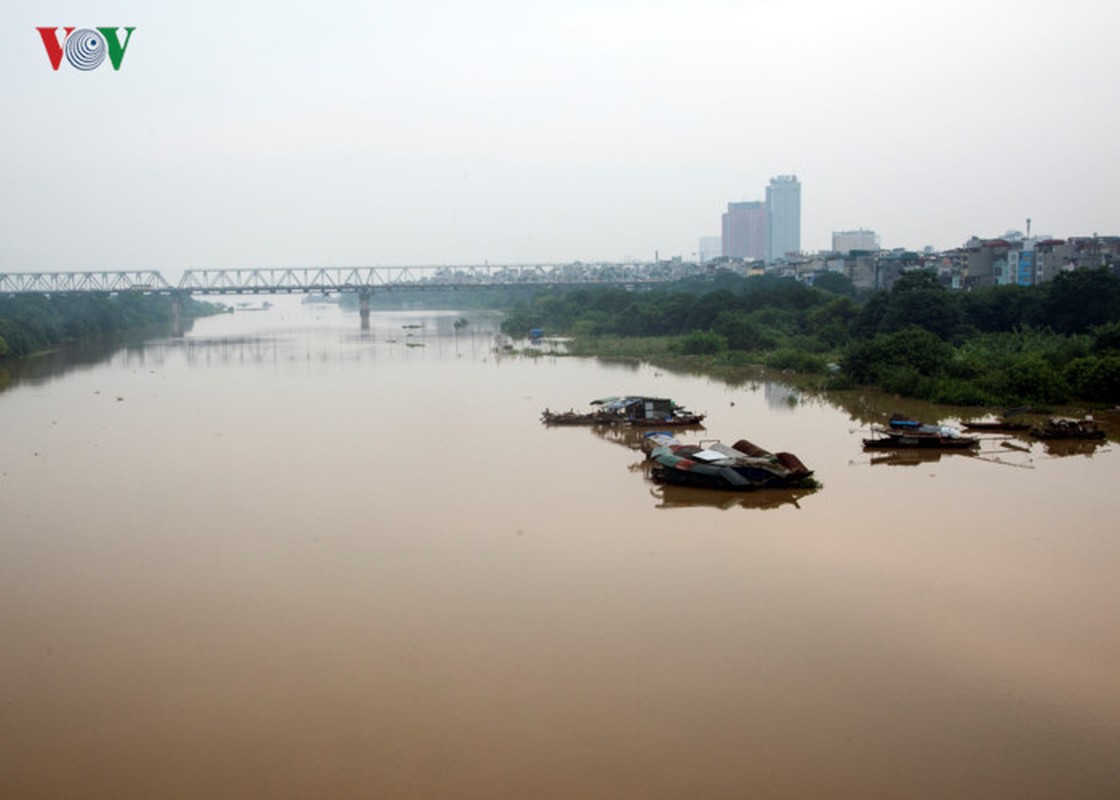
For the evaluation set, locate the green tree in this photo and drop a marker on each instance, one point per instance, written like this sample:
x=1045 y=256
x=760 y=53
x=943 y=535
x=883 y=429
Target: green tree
x=836 y=283
x=742 y=332
x=1095 y=378
x=1001 y=308
x=701 y=343
x=933 y=310
x=1031 y=379
x=1081 y=299
x=1106 y=337
x=914 y=349
x=832 y=322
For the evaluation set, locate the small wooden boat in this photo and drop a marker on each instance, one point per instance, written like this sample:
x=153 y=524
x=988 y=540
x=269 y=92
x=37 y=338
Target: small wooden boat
x=887 y=440
x=712 y=465
x=905 y=433
x=597 y=417
x=1065 y=428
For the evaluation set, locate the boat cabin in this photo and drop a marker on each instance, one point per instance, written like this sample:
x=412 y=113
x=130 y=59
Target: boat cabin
x=641 y=408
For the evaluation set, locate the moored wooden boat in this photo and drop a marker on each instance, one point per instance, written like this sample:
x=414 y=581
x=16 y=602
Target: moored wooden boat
x=1002 y=422
x=904 y=433
x=1065 y=428
x=713 y=465
x=886 y=440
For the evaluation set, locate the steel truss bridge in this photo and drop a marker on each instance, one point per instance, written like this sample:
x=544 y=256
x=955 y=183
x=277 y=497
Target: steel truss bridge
x=336 y=279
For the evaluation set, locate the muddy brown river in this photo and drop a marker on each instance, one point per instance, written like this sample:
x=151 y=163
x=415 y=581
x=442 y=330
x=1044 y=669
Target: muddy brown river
x=282 y=558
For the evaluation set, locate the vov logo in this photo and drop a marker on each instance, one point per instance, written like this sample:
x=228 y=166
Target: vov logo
x=85 y=48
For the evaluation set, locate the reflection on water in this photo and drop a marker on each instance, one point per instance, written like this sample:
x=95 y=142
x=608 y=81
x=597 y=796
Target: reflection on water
x=1060 y=449
x=295 y=559
x=913 y=458
x=47 y=366
x=670 y=496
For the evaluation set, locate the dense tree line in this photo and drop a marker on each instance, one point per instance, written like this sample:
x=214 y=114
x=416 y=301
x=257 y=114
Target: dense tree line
x=1046 y=344
x=30 y=323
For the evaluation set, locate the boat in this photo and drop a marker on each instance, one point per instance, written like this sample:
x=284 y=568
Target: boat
x=995 y=425
x=650 y=412
x=906 y=433
x=713 y=465
x=1067 y=428
x=1002 y=422
x=572 y=417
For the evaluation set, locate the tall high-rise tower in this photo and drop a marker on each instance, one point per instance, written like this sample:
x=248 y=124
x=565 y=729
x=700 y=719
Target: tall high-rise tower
x=783 y=201
x=745 y=230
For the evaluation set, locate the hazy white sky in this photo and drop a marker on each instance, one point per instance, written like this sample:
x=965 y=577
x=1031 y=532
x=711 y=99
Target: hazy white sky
x=378 y=133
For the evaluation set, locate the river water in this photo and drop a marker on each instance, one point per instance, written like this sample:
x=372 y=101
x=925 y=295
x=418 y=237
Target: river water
x=284 y=558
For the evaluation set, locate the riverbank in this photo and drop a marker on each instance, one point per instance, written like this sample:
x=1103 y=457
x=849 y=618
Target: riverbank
x=866 y=404
x=35 y=324
x=1003 y=346
x=36 y=331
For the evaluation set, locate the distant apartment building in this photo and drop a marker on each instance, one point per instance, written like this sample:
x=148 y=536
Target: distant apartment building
x=1024 y=261
x=1009 y=260
x=783 y=202
x=986 y=263
x=746 y=229
x=1052 y=256
x=711 y=248
x=844 y=242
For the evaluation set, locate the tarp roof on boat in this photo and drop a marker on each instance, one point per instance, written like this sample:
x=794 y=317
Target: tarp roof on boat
x=708 y=455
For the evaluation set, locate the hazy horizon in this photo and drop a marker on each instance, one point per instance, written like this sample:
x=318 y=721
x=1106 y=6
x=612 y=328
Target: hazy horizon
x=345 y=133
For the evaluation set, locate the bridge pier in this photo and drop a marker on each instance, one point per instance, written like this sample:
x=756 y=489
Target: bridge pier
x=177 y=329
x=363 y=307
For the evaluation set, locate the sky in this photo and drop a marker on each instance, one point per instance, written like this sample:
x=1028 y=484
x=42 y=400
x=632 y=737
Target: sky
x=366 y=133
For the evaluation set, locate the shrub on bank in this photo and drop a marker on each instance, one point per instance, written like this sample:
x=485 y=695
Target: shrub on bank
x=797 y=360
x=1095 y=378
x=961 y=393
x=915 y=349
x=699 y=343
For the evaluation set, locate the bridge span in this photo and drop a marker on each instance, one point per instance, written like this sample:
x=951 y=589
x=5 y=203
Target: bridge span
x=337 y=279
x=324 y=280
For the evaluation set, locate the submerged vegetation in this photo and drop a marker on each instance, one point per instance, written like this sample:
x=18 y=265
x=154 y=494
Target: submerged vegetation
x=32 y=323
x=1054 y=343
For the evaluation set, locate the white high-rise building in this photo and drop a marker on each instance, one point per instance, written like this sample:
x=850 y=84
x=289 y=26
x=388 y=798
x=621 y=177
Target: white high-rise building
x=783 y=201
